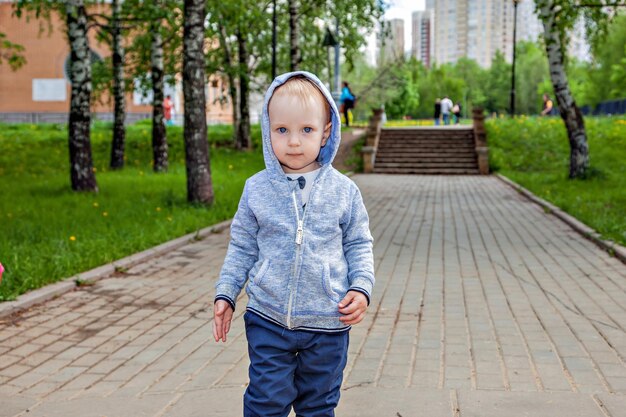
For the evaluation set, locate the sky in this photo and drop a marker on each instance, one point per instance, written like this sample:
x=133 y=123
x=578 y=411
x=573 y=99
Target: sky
x=399 y=9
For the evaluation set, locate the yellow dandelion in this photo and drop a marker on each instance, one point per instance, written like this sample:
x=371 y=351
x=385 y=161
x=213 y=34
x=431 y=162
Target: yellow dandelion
x=158 y=209
x=140 y=172
x=230 y=167
x=95 y=204
x=169 y=219
x=104 y=213
x=72 y=238
x=94 y=169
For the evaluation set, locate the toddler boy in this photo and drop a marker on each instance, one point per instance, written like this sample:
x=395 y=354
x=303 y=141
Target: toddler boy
x=301 y=240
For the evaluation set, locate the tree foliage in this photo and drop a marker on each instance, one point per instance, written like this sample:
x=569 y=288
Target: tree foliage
x=11 y=52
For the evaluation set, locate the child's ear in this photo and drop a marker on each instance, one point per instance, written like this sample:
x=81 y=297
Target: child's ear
x=326 y=133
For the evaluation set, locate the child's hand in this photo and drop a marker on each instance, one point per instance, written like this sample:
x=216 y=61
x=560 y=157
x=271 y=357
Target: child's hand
x=222 y=316
x=353 y=307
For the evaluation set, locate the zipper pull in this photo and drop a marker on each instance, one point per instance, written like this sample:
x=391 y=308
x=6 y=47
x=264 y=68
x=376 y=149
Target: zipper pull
x=300 y=232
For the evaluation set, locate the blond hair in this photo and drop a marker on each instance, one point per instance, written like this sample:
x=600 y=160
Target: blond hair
x=306 y=90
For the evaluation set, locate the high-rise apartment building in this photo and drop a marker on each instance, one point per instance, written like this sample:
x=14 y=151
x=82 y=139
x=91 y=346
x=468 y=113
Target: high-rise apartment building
x=473 y=28
x=391 y=42
x=578 y=46
x=478 y=29
x=423 y=36
x=529 y=26
x=449 y=29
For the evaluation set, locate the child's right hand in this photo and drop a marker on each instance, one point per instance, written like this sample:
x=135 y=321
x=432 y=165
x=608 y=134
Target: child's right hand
x=222 y=316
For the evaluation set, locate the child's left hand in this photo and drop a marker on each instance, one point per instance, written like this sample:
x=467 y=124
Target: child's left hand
x=353 y=307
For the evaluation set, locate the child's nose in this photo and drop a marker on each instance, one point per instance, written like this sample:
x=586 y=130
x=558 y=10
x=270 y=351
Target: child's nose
x=294 y=140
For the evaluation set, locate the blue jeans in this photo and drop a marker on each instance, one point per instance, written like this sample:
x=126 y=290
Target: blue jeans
x=437 y=121
x=292 y=368
x=446 y=119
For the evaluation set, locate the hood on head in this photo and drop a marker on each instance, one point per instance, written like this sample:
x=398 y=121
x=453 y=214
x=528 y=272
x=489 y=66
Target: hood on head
x=327 y=152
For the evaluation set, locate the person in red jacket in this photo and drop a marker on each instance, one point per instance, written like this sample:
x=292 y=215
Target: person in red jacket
x=167 y=110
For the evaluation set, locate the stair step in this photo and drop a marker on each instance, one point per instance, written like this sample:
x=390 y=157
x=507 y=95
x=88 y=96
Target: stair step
x=435 y=130
x=427 y=171
x=431 y=149
x=425 y=165
x=423 y=160
x=384 y=134
x=425 y=153
x=384 y=138
x=426 y=141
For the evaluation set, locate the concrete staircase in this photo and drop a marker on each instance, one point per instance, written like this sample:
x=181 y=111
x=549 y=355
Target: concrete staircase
x=419 y=150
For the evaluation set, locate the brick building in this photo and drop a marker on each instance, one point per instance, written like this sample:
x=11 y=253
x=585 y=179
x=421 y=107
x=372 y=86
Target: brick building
x=40 y=90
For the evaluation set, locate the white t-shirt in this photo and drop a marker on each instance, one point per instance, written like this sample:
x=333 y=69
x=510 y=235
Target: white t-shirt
x=309 y=177
x=446 y=105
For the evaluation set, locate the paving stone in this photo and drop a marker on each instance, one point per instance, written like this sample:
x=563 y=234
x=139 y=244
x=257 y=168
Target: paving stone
x=516 y=404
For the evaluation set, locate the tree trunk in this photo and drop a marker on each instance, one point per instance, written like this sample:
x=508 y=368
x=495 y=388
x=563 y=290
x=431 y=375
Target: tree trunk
x=570 y=113
x=232 y=85
x=119 y=132
x=294 y=51
x=199 y=187
x=159 y=138
x=244 y=141
x=81 y=165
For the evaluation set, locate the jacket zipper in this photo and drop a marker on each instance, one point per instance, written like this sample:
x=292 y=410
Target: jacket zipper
x=299 y=238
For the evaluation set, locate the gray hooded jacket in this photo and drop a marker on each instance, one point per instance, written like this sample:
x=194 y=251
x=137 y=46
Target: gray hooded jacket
x=299 y=263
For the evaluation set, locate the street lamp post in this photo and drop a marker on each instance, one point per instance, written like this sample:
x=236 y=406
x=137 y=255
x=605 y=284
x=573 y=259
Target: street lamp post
x=331 y=42
x=515 y=2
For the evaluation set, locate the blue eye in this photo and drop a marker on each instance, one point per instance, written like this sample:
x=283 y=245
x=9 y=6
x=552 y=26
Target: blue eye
x=282 y=130
x=308 y=129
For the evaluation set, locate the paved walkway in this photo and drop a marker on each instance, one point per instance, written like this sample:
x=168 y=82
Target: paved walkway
x=484 y=306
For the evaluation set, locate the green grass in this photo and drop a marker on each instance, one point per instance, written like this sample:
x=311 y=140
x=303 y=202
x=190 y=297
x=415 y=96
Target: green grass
x=50 y=232
x=534 y=152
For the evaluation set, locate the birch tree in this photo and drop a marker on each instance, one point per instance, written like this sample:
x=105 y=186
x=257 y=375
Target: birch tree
x=112 y=28
x=243 y=135
x=294 y=50
x=559 y=16
x=74 y=13
x=199 y=186
x=81 y=164
x=119 y=97
x=243 y=31
x=153 y=53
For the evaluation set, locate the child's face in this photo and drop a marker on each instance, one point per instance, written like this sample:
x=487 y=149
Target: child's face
x=297 y=131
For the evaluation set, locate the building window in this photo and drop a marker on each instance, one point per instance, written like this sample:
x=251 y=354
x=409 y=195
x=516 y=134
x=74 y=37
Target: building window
x=53 y=89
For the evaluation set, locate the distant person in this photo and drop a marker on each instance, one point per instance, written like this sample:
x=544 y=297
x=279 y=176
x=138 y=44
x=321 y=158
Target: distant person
x=456 y=111
x=446 y=107
x=547 y=105
x=347 y=101
x=167 y=110
x=437 y=115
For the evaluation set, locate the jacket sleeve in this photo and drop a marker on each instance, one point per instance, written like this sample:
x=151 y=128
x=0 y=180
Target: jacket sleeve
x=243 y=252
x=357 y=247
